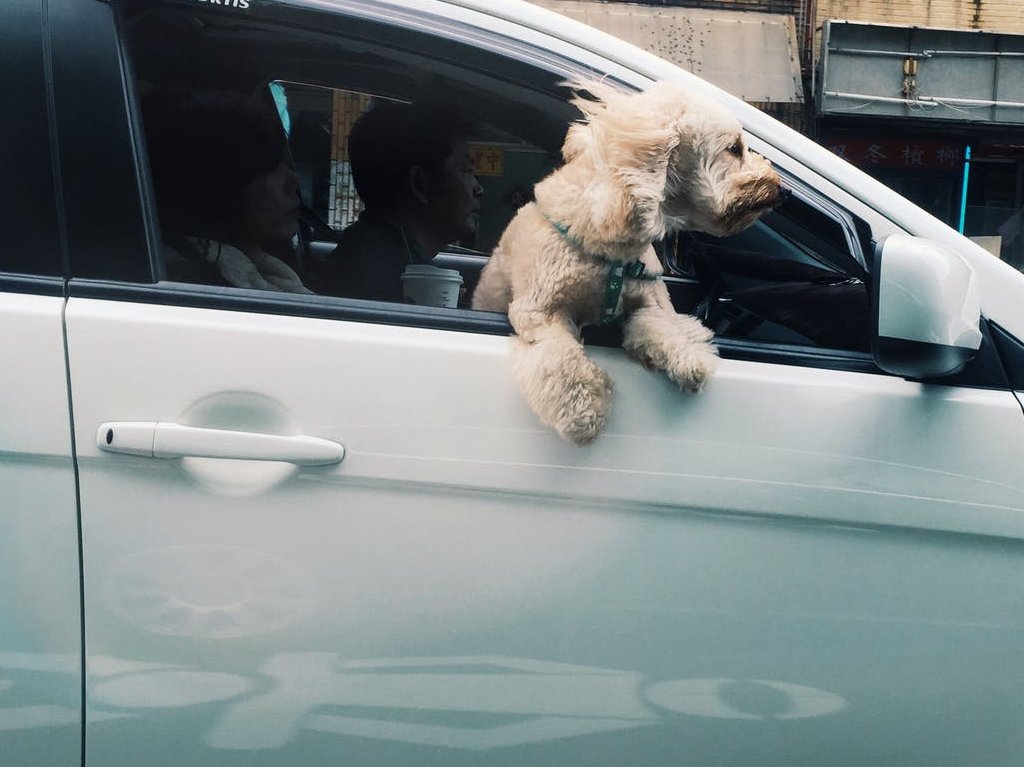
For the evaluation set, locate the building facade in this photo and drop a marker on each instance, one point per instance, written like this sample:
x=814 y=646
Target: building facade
x=925 y=95
x=932 y=104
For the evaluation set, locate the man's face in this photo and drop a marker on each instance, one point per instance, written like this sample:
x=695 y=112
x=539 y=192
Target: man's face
x=455 y=200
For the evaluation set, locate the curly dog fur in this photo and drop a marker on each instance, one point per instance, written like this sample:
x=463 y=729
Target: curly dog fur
x=637 y=166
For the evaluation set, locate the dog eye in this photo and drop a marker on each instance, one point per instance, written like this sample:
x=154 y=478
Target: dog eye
x=736 y=149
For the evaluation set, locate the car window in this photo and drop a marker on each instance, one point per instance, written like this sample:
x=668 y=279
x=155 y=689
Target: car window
x=29 y=241
x=796 y=278
x=318 y=121
x=209 y=139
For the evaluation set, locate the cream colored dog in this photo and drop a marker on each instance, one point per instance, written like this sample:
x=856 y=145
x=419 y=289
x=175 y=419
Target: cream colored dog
x=638 y=166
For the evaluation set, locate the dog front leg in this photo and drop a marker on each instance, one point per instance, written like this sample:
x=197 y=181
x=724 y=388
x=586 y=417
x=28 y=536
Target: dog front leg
x=561 y=384
x=675 y=343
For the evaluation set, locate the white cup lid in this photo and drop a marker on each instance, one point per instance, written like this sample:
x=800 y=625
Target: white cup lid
x=426 y=270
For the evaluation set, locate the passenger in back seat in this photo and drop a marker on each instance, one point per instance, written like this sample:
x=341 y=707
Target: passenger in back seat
x=226 y=195
x=412 y=169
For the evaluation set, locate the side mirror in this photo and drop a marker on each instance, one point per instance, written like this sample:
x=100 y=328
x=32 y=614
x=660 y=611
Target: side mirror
x=926 y=308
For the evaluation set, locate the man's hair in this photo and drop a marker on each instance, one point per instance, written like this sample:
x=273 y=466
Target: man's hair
x=390 y=138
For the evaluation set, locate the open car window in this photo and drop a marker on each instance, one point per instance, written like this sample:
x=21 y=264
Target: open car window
x=797 y=276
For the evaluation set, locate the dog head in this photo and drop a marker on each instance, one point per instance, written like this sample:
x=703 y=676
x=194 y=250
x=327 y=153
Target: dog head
x=662 y=160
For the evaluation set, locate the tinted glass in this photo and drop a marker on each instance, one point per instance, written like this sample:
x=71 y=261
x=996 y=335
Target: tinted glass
x=257 y=107
x=29 y=241
x=106 y=237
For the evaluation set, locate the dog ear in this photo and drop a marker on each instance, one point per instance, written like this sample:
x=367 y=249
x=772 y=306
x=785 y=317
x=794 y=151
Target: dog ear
x=632 y=195
x=627 y=140
x=640 y=145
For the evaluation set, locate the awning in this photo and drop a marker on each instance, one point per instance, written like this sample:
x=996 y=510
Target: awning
x=751 y=55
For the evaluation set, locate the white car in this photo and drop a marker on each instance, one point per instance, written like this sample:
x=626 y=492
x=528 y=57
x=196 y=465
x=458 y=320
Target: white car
x=238 y=527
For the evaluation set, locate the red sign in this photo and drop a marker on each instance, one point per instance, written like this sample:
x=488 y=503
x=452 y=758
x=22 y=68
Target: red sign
x=1009 y=151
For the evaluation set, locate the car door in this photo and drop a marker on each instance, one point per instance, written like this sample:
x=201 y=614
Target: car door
x=40 y=628
x=794 y=567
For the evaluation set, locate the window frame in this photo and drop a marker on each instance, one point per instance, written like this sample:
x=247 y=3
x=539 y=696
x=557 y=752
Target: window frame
x=430 y=31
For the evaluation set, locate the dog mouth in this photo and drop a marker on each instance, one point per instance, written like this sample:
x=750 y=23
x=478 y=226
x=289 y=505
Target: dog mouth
x=784 y=194
x=768 y=197
x=754 y=198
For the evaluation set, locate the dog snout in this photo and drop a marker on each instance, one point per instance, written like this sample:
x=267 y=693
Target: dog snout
x=773 y=191
x=766 y=192
x=783 y=195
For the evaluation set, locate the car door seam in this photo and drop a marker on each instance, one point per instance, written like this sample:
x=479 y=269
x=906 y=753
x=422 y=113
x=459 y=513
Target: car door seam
x=62 y=234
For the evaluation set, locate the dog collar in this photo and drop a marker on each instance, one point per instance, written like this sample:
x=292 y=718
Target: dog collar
x=618 y=273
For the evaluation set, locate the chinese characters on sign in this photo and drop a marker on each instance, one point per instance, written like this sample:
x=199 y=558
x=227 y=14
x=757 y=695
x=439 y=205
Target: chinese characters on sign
x=897 y=153
x=488 y=160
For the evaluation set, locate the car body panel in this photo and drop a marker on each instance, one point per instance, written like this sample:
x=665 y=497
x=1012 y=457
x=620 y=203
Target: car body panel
x=40 y=630
x=464 y=587
x=799 y=566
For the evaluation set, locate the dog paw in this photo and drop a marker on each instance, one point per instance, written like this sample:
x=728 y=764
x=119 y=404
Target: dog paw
x=584 y=411
x=698 y=332
x=694 y=367
x=583 y=430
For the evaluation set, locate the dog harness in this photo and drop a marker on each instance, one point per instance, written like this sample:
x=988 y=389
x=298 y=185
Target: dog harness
x=618 y=273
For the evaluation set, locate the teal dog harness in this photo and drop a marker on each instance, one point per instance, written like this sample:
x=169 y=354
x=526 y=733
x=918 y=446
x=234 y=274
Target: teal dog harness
x=618 y=273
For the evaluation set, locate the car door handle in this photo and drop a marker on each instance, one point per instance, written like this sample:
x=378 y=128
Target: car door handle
x=156 y=439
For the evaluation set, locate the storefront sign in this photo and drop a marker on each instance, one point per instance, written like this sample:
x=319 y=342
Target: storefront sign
x=898 y=153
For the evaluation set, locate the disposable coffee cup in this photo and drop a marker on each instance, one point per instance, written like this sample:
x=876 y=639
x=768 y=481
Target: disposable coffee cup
x=427 y=285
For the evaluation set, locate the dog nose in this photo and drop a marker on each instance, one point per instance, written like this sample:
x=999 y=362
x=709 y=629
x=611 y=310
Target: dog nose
x=784 y=193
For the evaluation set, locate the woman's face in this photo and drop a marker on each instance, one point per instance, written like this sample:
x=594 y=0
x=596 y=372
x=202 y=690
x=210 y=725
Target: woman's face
x=456 y=201
x=270 y=206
